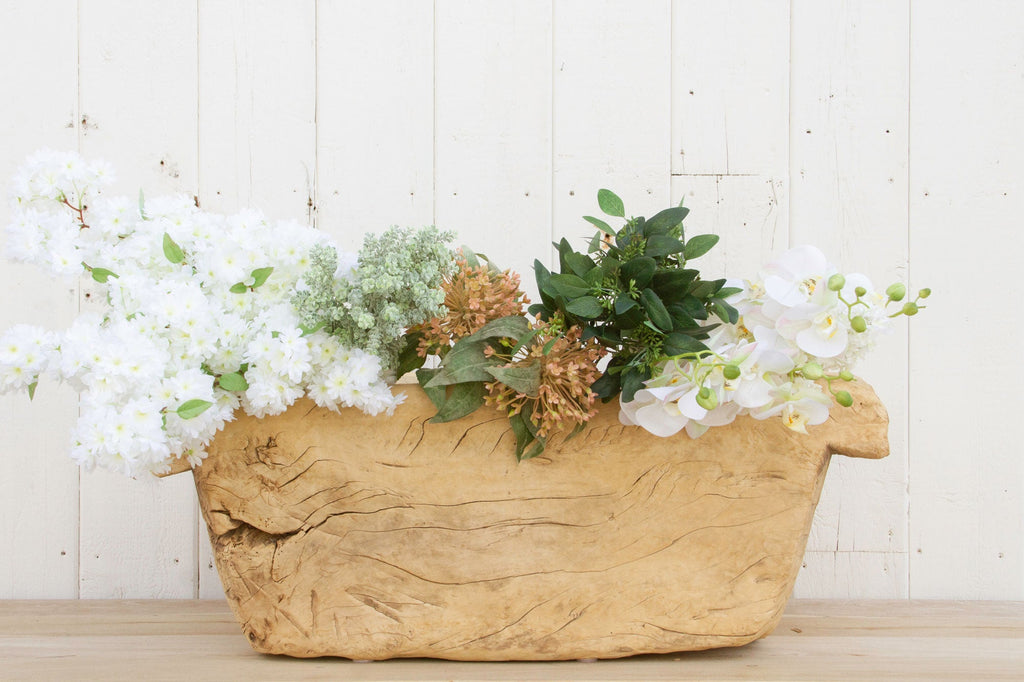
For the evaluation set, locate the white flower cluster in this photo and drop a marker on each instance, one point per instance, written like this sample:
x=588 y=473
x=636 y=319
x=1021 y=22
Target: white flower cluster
x=200 y=320
x=802 y=326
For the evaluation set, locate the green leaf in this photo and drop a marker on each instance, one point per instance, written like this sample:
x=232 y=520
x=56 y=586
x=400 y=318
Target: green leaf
x=610 y=203
x=705 y=290
x=623 y=303
x=663 y=222
x=586 y=307
x=232 y=381
x=632 y=381
x=725 y=311
x=470 y=256
x=681 y=344
x=640 y=270
x=238 y=288
x=193 y=408
x=662 y=245
x=172 y=251
x=465 y=362
x=521 y=378
x=32 y=390
x=570 y=286
x=306 y=331
x=462 y=399
x=549 y=345
x=680 y=319
x=521 y=432
x=671 y=285
x=438 y=395
x=511 y=326
x=595 y=243
x=699 y=245
x=606 y=386
x=409 y=358
x=101 y=275
x=600 y=224
x=595 y=277
x=261 y=275
x=726 y=292
x=656 y=310
x=579 y=263
x=538 y=448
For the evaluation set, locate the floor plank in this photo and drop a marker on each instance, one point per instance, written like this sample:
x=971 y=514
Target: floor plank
x=817 y=640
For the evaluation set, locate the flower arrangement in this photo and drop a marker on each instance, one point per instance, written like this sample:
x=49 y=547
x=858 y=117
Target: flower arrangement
x=208 y=314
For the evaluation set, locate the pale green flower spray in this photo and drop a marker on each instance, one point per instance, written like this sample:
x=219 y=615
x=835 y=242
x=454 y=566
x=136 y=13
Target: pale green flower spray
x=396 y=284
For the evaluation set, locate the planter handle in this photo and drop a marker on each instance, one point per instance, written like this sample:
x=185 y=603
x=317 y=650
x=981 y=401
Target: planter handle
x=861 y=430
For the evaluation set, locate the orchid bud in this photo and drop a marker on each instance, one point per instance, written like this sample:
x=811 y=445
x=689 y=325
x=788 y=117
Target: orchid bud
x=812 y=371
x=896 y=292
x=836 y=282
x=846 y=375
x=844 y=398
x=860 y=291
x=859 y=324
x=707 y=399
x=910 y=308
x=924 y=293
x=731 y=372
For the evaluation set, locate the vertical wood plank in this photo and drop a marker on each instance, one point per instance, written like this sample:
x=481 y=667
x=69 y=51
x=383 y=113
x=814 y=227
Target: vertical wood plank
x=38 y=482
x=138 y=98
x=852 y=575
x=257 y=128
x=257 y=106
x=375 y=121
x=730 y=128
x=848 y=196
x=612 y=94
x=967 y=174
x=493 y=128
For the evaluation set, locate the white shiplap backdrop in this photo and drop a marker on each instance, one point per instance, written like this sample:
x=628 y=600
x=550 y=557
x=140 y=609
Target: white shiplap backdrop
x=885 y=131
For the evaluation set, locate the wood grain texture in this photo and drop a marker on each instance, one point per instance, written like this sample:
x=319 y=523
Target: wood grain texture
x=370 y=538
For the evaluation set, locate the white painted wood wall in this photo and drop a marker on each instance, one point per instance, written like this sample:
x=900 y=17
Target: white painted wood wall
x=888 y=132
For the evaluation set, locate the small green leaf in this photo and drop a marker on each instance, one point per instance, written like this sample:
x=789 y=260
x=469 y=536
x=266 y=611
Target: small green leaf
x=522 y=378
x=594 y=277
x=193 y=408
x=260 y=275
x=579 y=263
x=656 y=310
x=610 y=203
x=706 y=289
x=511 y=326
x=232 y=381
x=32 y=390
x=238 y=288
x=462 y=400
x=632 y=381
x=409 y=358
x=623 y=303
x=726 y=292
x=671 y=285
x=306 y=331
x=438 y=395
x=606 y=386
x=586 y=307
x=470 y=256
x=101 y=275
x=595 y=243
x=663 y=221
x=172 y=251
x=640 y=270
x=570 y=286
x=465 y=362
x=682 y=344
x=549 y=345
x=699 y=245
x=600 y=224
x=522 y=434
x=538 y=448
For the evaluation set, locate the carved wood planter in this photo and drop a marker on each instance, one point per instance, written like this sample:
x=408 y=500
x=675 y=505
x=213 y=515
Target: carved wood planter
x=375 y=537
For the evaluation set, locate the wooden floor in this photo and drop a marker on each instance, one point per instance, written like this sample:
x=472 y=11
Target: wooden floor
x=817 y=640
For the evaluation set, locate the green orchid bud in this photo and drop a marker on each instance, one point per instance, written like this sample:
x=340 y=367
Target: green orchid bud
x=910 y=308
x=844 y=398
x=812 y=371
x=836 y=282
x=896 y=292
x=924 y=293
x=731 y=372
x=846 y=375
x=860 y=291
x=707 y=399
x=859 y=324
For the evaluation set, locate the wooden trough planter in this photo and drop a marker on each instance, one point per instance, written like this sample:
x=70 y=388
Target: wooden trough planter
x=383 y=537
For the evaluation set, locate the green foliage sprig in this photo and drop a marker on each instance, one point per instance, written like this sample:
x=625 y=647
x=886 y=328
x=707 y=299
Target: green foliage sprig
x=633 y=292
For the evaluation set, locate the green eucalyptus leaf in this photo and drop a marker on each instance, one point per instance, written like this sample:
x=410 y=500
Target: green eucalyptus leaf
x=570 y=286
x=101 y=275
x=306 y=330
x=600 y=224
x=238 y=288
x=606 y=386
x=594 y=277
x=726 y=292
x=623 y=303
x=706 y=289
x=564 y=250
x=610 y=203
x=193 y=408
x=522 y=434
x=663 y=222
x=438 y=395
x=232 y=381
x=656 y=310
x=680 y=318
x=579 y=263
x=465 y=362
x=549 y=345
x=409 y=358
x=632 y=381
x=662 y=245
x=694 y=307
x=672 y=285
x=725 y=311
x=639 y=270
x=586 y=307
x=470 y=257
x=611 y=265
x=699 y=245
x=172 y=251
x=538 y=448
x=595 y=243
x=463 y=399
x=260 y=275
x=32 y=389
x=522 y=378
x=511 y=326
x=677 y=343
